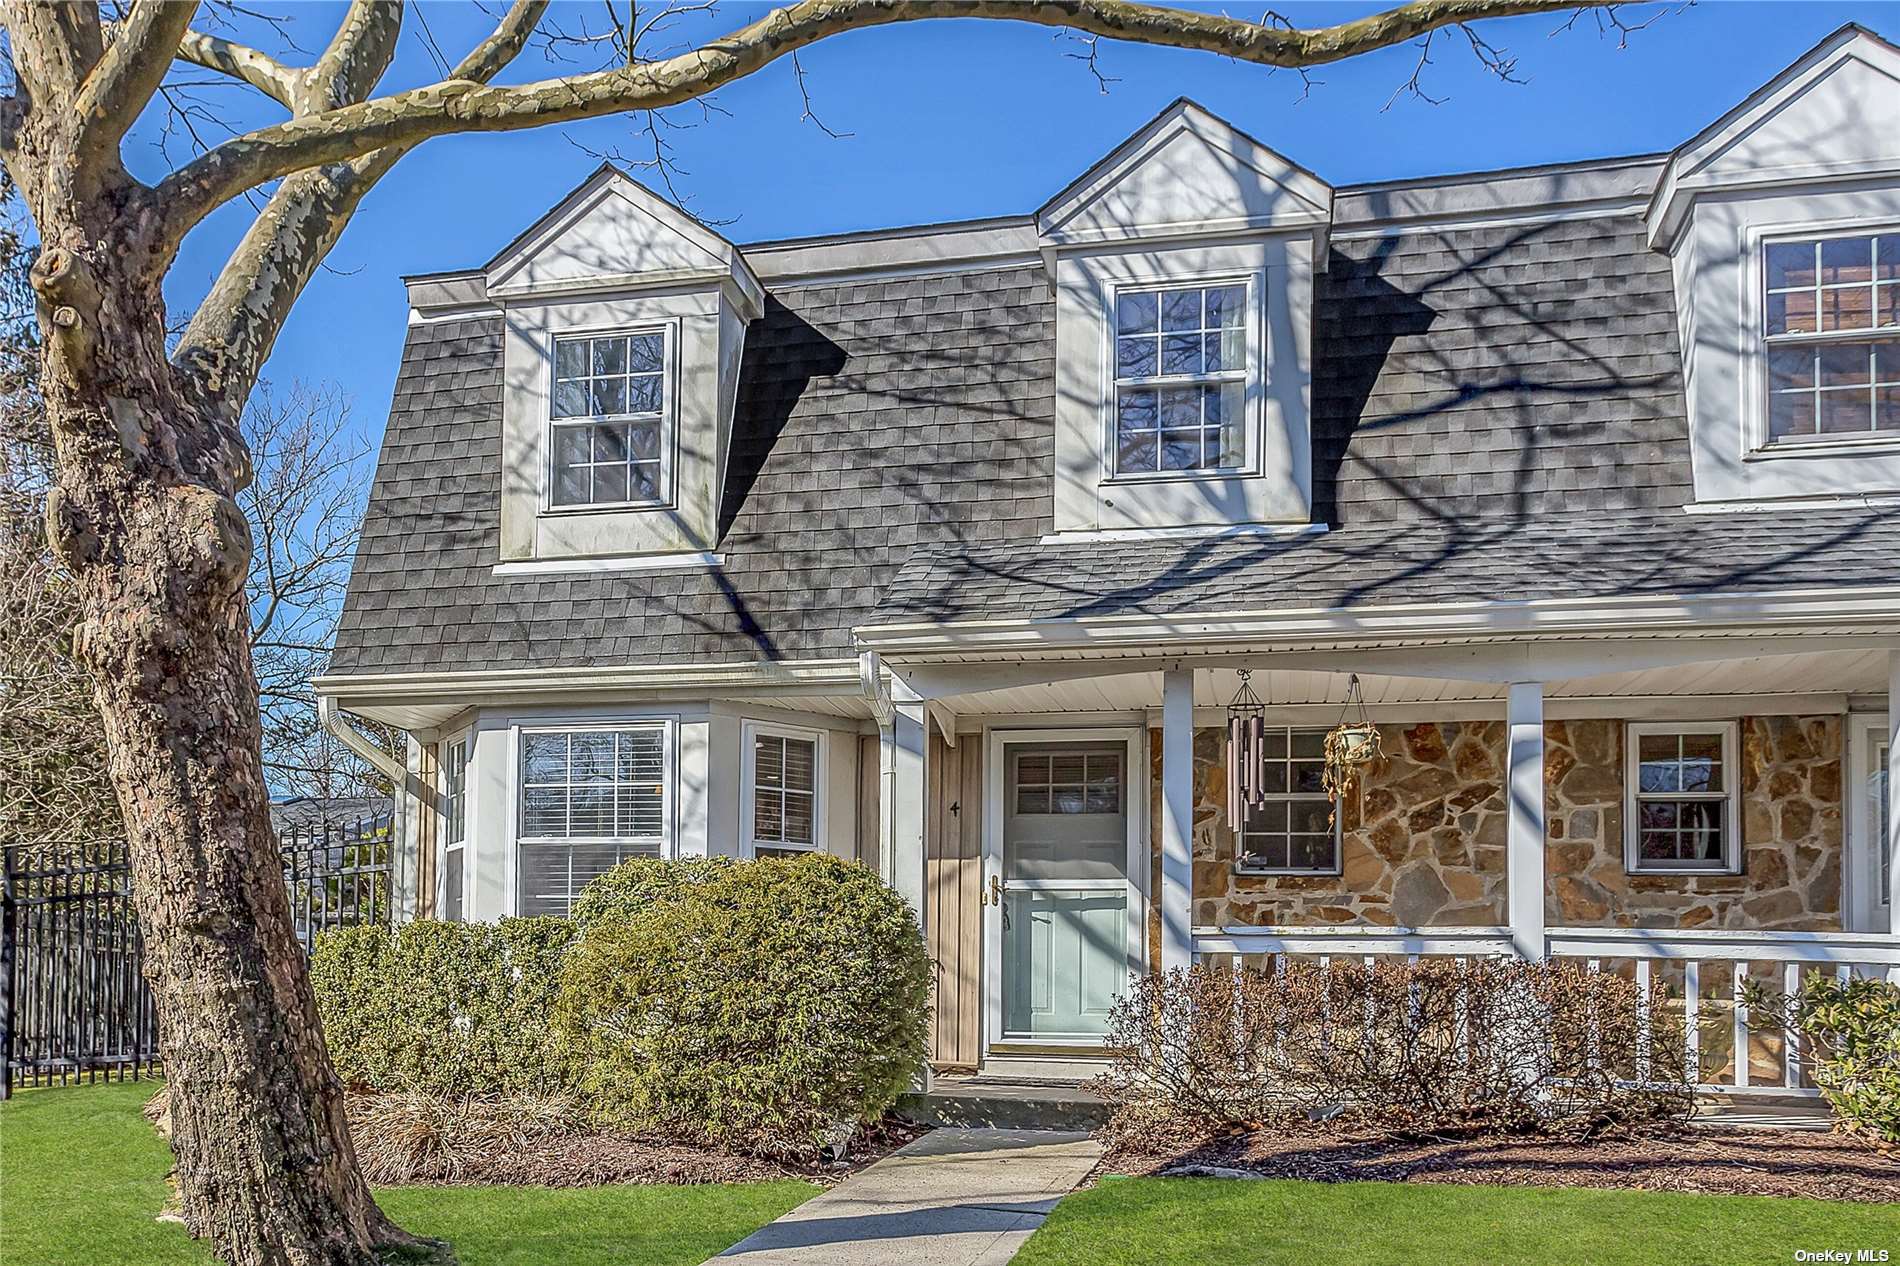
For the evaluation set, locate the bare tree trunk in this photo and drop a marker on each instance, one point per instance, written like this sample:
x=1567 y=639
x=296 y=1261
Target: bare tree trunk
x=144 y=512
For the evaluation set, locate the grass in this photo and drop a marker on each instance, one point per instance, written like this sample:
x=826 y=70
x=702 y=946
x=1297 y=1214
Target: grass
x=81 y=1176
x=1154 y=1221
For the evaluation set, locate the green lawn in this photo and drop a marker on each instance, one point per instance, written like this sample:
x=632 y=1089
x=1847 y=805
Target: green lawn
x=1154 y=1221
x=81 y=1177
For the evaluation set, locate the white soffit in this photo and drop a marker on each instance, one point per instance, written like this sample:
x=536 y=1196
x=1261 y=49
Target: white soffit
x=613 y=234
x=1185 y=174
x=1832 y=115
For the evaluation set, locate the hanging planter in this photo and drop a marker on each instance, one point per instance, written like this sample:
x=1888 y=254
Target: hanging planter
x=1350 y=745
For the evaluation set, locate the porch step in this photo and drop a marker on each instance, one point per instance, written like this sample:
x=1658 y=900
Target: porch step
x=996 y=1103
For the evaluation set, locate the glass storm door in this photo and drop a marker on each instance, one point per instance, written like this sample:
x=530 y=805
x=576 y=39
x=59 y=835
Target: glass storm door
x=1869 y=859
x=1064 y=891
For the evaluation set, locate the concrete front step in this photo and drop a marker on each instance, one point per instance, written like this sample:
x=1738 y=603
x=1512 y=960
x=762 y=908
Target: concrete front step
x=992 y=1103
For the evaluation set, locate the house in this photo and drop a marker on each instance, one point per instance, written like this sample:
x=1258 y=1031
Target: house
x=946 y=547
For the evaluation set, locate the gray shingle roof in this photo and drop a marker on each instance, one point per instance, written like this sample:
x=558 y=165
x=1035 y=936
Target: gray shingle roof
x=874 y=418
x=1497 y=412
x=1374 y=564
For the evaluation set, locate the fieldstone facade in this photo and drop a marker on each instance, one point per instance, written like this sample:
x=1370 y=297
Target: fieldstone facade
x=1424 y=836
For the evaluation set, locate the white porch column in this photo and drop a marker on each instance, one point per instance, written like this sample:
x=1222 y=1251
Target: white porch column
x=1177 y=819
x=1524 y=841
x=902 y=805
x=1893 y=805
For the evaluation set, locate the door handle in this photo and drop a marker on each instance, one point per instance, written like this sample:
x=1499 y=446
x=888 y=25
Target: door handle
x=995 y=895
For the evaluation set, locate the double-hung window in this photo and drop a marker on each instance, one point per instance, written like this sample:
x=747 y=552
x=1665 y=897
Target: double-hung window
x=454 y=781
x=1682 y=799
x=1294 y=830
x=784 y=777
x=611 y=402
x=1180 y=389
x=1831 y=327
x=590 y=799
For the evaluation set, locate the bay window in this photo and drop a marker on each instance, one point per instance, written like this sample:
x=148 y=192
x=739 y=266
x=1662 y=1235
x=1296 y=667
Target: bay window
x=590 y=799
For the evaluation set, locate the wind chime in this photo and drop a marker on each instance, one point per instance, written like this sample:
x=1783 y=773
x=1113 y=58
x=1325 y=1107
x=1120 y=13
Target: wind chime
x=1246 y=752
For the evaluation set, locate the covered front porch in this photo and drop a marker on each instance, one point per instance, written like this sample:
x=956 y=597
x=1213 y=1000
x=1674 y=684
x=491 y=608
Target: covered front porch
x=1518 y=809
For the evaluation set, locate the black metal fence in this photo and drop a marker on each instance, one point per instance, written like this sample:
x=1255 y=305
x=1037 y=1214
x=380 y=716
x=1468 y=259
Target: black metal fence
x=74 y=1004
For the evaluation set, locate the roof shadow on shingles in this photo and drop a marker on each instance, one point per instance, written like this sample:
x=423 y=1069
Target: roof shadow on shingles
x=1551 y=556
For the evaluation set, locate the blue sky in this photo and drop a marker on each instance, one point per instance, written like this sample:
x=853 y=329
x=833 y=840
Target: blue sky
x=952 y=120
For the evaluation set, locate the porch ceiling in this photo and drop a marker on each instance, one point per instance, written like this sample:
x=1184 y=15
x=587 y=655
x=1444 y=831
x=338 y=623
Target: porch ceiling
x=1795 y=682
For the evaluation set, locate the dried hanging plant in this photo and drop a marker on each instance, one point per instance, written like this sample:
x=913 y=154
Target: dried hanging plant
x=1350 y=745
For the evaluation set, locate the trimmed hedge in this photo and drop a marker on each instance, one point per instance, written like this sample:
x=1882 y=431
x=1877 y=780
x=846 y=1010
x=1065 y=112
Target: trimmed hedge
x=445 y=1008
x=631 y=887
x=761 y=1006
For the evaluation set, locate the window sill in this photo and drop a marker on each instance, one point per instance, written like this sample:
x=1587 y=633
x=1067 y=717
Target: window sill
x=530 y=568
x=1657 y=872
x=606 y=507
x=1856 y=445
x=1262 y=872
x=1178 y=476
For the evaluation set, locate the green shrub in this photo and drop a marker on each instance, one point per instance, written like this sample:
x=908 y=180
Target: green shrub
x=1851 y=1029
x=758 y=1008
x=634 y=885
x=444 y=1008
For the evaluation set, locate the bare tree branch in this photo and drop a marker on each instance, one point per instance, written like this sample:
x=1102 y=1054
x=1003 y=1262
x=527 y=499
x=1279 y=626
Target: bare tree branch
x=232 y=333
x=356 y=58
x=269 y=76
x=457 y=105
x=127 y=76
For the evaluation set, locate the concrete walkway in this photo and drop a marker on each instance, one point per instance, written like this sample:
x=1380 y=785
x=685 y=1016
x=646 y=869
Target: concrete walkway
x=954 y=1197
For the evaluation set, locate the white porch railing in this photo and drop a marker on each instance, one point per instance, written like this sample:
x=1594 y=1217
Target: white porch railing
x=1705 y=970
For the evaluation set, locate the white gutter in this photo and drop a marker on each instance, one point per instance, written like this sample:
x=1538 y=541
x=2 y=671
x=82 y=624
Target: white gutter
x=819 y=675
x=332 y=720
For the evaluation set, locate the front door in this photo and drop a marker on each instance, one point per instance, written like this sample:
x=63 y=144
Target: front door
x=1060 y=888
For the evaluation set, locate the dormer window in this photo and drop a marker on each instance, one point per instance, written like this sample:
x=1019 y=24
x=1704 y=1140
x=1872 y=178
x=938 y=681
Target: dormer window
x=609 y=429
x=1180 y=396
x=1831 y=323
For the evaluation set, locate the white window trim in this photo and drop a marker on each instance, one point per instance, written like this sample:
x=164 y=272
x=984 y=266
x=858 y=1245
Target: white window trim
x=1757 y=443
x=1252 y=381
x=669 y=418
x=465 y=741
x=1732 y=794
x=669 y=786
x=748 y=787
x=1243 y=867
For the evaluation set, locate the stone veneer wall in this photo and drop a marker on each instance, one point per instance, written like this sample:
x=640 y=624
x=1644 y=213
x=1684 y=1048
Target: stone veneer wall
x=1424 y=836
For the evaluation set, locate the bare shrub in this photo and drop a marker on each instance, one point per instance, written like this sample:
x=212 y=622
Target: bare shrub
x=1433 y=1046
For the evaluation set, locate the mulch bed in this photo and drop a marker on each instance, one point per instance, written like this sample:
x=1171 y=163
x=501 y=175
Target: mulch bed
x=594 y=1159
x=1703 y=1159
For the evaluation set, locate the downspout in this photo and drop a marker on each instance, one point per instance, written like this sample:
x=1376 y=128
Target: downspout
x=878 y=695
x=331 y=719
x=406 y=789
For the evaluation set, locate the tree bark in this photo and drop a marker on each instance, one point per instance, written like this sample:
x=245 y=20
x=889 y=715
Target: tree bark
x=144 y=513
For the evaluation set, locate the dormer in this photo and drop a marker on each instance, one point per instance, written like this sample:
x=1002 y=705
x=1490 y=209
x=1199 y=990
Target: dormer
x=1782 y=220
x=1182 y=266
x=624 y=321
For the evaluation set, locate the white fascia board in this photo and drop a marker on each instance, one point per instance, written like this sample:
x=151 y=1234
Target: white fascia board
x=1400 y=623
x=1678 y=184
x=606 y=184
x=798 y=676
x=1309 y=203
